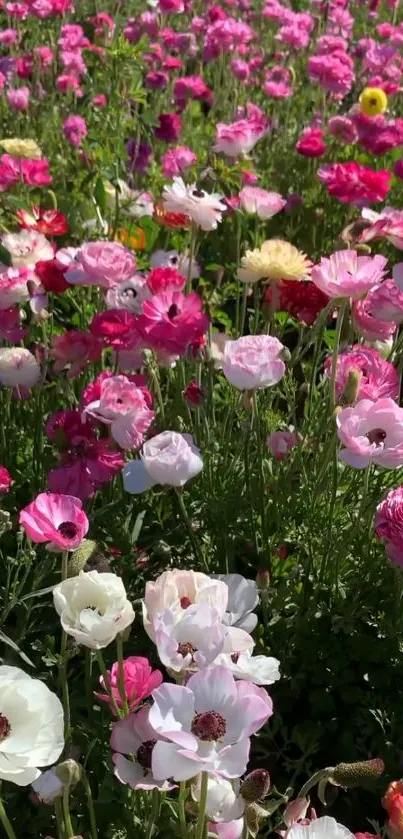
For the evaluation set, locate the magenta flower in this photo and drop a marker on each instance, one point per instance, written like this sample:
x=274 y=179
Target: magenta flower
x=253 y=361
x=176 y=160
x=139 y=681
x=133 y=735
x=345 y=274
x=208 y=724
x=75 y=130
x=169 y=127
x=123 y=407
x=389 y=524
x=56 y=519
x=18 y=98
x=172 y=320
x=74 y=349
x=377 y=377
x=6 y=480
x=371 y=432
x=353 y=183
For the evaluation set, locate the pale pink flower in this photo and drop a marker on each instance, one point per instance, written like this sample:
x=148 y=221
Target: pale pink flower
x=123 y=407
x=26 y=248
x=388 y=224
x=227 y=830
x=18 y=98
x=14 y=286
x=253 y=361
x=208 y=724
x=295 y=811
x=57 y=519
x=18 y=368
x=101 y=263
x=259 y=202
x=239 y=138
x=385 y=302
x=133 y=735
x=322 y=828
x=192 y=642
x=389 y=524
x=203 y=208
x=139 y=681
x=279 y=443
x=74 y=349
x=130 y=294
x=168 y=458
x=372 y=432
x=177 y=590
x=346 y=274
x=176 y=160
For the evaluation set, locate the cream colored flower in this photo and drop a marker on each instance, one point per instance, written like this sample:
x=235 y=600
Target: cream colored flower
x=275 y=260
x=21 y=148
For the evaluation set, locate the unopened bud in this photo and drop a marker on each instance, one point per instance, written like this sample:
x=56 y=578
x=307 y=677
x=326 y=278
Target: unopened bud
x=350 y=392
x=69 y=772
x=295 y=810
x=254 y=815
x=256 y=785
x=285 y=354
x=80 y=557
x=193 y=395
x=358 y=774
x=263 y=579
x=363 y=249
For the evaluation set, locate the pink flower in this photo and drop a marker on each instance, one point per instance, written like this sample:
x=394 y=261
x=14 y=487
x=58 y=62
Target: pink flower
x=253 y=361
x=165 y=279
x=57 y=519
x=377 y=378
x=239 y=138
x=133 y=735
x=86 y=463
x=193 y=394
x=176 y=160
x=67 y=82
x=101 y=263
x=139 y=681
x=279 y=443
x=372 y=432
x=5 y=480
x=295 y=811
x=14 y=286
x=18 y=369
x=117 y=327
x=334 y=72
x=93 y=390
x=99 y=100
x=124 y=408
x=365 y=322
x=30 y=172
x=191 y=87
x=258 y=201
x=311 y=143
x=74 y=349
x=129 y=295
x=169 y=127
x=345 y=274
x=169 y=6
x=171 y=321
x=18 y=98
x=10 y=328
x=352 y=183
x=389 y=524
x=75 y=130
x=343 y=128
x=168 y=458
x=388 y=224
x=385 y=303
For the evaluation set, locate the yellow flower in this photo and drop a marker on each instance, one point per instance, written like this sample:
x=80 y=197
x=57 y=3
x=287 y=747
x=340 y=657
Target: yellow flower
x=21 y=148
x=275 y=260
x=373 y=101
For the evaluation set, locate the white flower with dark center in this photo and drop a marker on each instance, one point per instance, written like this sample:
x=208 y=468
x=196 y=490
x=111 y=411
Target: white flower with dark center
x=323 y=828
x=173 y=259
x=93 y=608
x=193 y=641
x=129 y=295
x=205 y=210
x=178 y=590
x=31 y=726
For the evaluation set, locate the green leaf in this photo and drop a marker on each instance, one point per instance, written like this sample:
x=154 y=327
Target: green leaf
x=100 y=194
x=5 y=256
x=10 y=643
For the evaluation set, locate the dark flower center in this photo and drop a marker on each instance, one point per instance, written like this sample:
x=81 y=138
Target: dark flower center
x=173 y=311
x=130 y=292
x=144 y=753
x=5 y=727
x=373 y=101
x=68 y=529
x=198 y=193
x=235 y=657
x=186 y=648
x=185 y=602
x=376 y=435
x=208 y=726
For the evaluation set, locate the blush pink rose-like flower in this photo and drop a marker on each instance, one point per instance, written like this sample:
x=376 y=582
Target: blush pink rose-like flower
x=176 y=590
x=74 y=349
x=169 y=459
x=101 y=263
x=124 y=408
x=253 y=361
x=139 y=681
x=14 y=287
x=260 y=202
x=279 y=443
x=5 y=480
x=389 y=524
x=176 y=160
x=239 y=138
x=346 y=274
x=367 y=325
x=26 y=248
x=378 y=378
x=385 y=302
x=56 y=519
x=371 y=432
x=133 y=735
x=388 y=224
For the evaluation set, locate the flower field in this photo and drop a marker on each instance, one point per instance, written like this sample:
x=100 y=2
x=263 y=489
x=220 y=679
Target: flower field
x=201 y=438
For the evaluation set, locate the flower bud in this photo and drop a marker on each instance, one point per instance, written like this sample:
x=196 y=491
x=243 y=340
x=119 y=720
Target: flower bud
x=263 y=579
x=69 y=772
x=80 y=557
x=358 y=774
x=295 y=810
x=350 y=392
x=193 y=395
x=256 y=785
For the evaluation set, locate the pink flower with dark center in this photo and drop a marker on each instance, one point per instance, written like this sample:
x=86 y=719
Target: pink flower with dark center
x=133 y=735
x=371 y=432
x=124 y=408
x=377 y=378
x=172 y=320
x=56 y=519
x=139 y=681
x=74 y=349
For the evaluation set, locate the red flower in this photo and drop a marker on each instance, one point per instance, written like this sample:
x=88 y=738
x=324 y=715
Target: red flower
x=118 y=327
x=51 y=276
x=352 y=183
x=165 y=279
x=174 y=221
x=48 y=222
x=303 y=301
x=193 y=394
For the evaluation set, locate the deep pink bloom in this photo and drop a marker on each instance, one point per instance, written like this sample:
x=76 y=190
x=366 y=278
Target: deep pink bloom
x=171 y=321
x=99 y=100
x=389 y=524
x=74 y=349
x=311 y=143
x=5 y=480
x=18 y=98
x=30 y=172
x=75 y=129
x=67 y=82
x=10 y=325
x=303 y=301
x=54 y=518
x=346 y=274
x=156 y=80
x=191 y=87
x=398 y=169
x=116 y=327
x=176 y=160
x=377 y=134
x=139 y=681
x=165 y=279
x=169 y=128
x=51 y=276
x=352 y=183
x=372 y=432
x=377 y=378
x=279 y=443
x=334 y=72
x=48 y=222
x=193 y=394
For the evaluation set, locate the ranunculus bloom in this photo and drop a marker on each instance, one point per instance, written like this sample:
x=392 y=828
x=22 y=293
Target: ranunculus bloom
x=372 y=432
x=192 y=642
x=176 y=590
x=279 y=443
x=193 y=394
x=133 y=735
x=377 y=378
x=51 y=276
x=311 y=143
x=393 y=804
x=384 y=302
x=253 y=361
x=93 y=608
x=303 y=301
x=123 y=407
x=18 y=98
x=48 y=222
x=165 y=279
x=116 y=327
x=239 y=138
x=74 y=349
x=274 y=260
x=14 y=286
x=101 y=263
x=260 y=202
x=75 y=129
x=169 y=458
x=139 y=681
x=346 y=274
x=171 y=321
x=26 y=248
x=323 y=828
x=213 y=708
x=18 y=368
x=10 y=324
x=31 y=726
x=169 y=127
x=176 y=160
x=57 y=519
x=370 y=327
x=5 y=480
x=353 y=183
x=389 y=527
x=203 y=208
x=130 y=294
x=388 y=224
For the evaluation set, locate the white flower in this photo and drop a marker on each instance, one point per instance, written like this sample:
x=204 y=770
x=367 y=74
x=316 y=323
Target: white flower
x=168 y=458
x=259 y=669
x=323 y=828
x=253 y=361
x=26 y=248
x=173 y=259
x=205 y=210
x=193 y=641
x=129 y=295
x=132 y=202
x=48 y=786
x=18 y=367
x=223 y=800
x=93 y=608
x=31 y=726
x=243 y=597
x=177 y=590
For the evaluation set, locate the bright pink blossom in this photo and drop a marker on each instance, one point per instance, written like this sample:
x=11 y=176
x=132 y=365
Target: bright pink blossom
x=388 y=224
x=176 y=160
x=57 y=519
x=74 y=349
x=377 y=378
x=5 y=480
x=18 y=98
x=139 y=681
x=367 y=324
x=165 y=279
x=311 y=143
x=116 y=327
x=385 y=302
x=171 y=321
x=75 y=129
x=389 y=524
x=353 y=183
x=123 y=407
x=371 y=432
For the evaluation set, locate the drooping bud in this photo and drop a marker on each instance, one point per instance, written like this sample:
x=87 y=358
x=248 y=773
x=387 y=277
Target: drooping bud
x=263 y=579
x=256 y=785
x=295 y=810
x=81 y=556
x=193 y=395
x=358 y=774
x=69 y=772
x=350 y=392
x=48 y=787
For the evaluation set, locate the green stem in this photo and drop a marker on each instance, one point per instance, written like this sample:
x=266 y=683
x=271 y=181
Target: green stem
x=106 y=677
x=202 y=807
x=121 y=674
x=66 y=813
x=243 y=309
x=339 y=326
x=6 y=822
x=59 y=818
x=185 y=518
x=156 y=803
x=192 y=246
x=318 y=776
x=63 y=665
x=181 y=810
x=90 y=804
